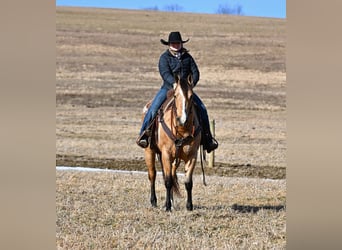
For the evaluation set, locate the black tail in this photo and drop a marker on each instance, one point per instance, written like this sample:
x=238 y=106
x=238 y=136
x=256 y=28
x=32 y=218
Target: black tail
x=175 y=186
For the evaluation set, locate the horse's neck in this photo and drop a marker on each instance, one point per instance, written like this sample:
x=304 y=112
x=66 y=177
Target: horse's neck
x=168 y=103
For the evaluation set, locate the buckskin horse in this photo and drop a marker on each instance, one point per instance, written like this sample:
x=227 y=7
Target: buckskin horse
x=176 y=137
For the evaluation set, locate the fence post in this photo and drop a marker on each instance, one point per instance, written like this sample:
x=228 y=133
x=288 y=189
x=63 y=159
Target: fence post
x=212 y=153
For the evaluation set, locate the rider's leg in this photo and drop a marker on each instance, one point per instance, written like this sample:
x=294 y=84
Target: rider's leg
x=209 y=142
x=158 y=100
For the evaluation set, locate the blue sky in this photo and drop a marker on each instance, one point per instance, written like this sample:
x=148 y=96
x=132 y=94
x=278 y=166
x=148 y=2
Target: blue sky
x=260 y=8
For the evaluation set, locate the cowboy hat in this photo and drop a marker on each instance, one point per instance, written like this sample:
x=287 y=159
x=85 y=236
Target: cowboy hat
x=174 y=37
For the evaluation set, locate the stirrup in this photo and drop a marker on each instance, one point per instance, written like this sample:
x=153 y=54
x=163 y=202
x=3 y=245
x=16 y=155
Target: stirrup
x=142 y=140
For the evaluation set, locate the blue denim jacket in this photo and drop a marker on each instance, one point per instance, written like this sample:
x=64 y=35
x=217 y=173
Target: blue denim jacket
x=170 y=65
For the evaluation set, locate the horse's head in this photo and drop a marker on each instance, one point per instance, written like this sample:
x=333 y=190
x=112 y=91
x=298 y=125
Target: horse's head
x=183 y=98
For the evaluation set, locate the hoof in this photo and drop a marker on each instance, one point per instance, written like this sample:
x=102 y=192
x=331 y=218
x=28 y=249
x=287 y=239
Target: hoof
x=189 y=207
x=154 y=203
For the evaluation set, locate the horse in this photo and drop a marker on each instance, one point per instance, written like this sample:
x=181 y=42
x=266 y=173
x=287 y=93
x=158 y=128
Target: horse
x=177 y=137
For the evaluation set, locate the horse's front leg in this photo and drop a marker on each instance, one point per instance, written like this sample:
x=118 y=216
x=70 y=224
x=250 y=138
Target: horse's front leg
x=168 y=180
x=189 y=169
x=150 y=157
x=188 y=186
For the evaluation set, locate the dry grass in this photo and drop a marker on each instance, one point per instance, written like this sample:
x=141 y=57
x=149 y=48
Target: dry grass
x=112 y=211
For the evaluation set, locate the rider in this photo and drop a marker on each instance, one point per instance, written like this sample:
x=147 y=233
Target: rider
x=176 y=59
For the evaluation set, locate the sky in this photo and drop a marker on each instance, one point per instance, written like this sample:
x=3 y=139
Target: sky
x=259 y=8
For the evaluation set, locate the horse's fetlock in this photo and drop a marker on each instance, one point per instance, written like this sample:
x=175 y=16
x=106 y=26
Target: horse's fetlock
x=168 y=206
x=154 y=202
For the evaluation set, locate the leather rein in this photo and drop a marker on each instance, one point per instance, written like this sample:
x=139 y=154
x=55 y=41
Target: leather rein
x=179 y=141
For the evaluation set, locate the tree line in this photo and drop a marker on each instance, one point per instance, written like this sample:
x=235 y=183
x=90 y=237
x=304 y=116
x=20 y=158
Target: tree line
x=225 y=9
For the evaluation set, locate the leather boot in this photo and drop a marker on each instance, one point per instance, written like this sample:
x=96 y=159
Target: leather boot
x=210 y=143
x=142 y=140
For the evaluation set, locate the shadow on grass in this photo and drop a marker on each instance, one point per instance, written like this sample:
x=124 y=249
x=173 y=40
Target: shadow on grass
x=242 y=208
x=255 y=209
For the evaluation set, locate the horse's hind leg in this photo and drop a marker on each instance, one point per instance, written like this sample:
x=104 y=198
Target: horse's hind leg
x=150 y=159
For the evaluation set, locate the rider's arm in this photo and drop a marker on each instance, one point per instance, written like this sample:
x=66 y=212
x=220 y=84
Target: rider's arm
x=194 y=70
x=165 y=71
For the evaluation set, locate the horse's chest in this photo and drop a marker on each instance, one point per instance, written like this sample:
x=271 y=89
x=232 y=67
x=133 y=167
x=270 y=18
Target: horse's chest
x=187 y=149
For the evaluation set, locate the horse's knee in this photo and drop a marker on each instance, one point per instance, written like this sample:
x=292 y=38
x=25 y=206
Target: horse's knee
x=152 y=175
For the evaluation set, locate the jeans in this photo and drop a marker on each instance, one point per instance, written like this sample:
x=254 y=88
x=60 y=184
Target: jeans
x=203 y=114
x=158 y=101
x=153 y=109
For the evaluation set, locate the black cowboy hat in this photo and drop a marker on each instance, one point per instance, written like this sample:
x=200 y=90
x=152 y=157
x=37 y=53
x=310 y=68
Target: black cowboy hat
x=174 y=37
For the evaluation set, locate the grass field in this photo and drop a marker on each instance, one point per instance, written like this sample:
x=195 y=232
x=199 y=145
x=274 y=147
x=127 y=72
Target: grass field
x=112 y=211
x=106 y=70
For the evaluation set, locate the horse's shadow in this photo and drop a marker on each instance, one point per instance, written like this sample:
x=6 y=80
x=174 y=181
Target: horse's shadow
x=244 y=208
x=255 y=209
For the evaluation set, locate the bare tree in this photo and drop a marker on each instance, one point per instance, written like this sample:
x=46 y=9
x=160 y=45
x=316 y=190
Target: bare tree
x=173 y=8
x=155 y=8
x=228 y=10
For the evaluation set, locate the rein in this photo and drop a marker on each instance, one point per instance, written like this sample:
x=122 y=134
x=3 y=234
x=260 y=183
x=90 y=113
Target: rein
x=178 y=141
